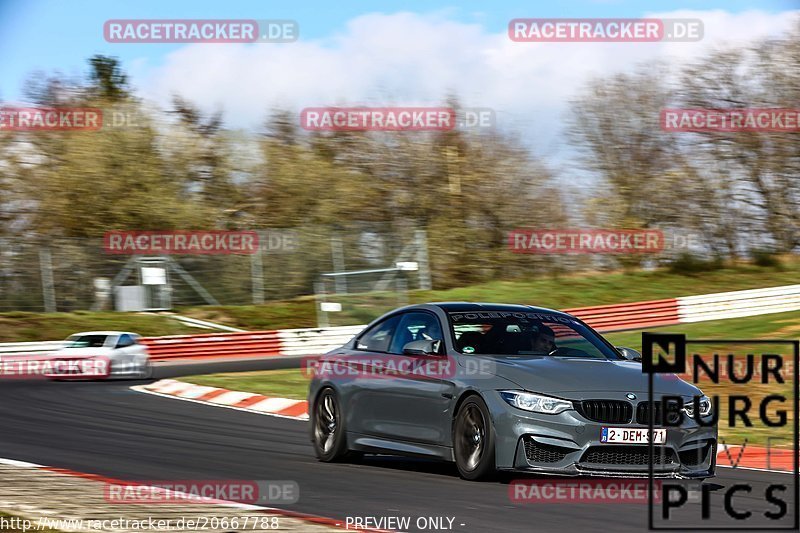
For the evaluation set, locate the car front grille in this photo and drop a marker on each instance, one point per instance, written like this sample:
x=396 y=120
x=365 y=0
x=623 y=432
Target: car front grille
x=606 y=411
x=644 y=409
x=536 y=452
x=627 y=455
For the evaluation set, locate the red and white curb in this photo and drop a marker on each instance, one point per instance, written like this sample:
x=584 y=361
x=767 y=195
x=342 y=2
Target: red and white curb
x=245 y=401
x=750 y=457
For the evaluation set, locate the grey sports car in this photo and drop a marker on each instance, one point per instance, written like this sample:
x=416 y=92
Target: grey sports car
x=505 y=387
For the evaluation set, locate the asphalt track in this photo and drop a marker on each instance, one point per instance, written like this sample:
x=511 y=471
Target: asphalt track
x=110 y=430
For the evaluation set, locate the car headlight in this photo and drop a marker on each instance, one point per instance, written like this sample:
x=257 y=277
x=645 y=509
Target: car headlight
x=705 y=406
x=536 y=403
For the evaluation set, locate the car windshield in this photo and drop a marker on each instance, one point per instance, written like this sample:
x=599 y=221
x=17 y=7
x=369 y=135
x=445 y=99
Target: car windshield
x=86 y=341
x=526 y=334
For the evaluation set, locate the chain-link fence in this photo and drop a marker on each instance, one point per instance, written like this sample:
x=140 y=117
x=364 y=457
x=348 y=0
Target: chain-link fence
x=80 y=274
x=355 y=268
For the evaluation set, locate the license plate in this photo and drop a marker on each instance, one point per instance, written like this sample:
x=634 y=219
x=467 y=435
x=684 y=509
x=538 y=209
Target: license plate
x=632 y=436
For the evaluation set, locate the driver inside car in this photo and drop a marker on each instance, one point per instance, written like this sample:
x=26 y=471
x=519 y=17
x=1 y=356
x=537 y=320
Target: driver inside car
x=545 y=340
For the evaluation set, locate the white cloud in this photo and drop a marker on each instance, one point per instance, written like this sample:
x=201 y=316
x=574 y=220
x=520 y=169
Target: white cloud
x=408 y=58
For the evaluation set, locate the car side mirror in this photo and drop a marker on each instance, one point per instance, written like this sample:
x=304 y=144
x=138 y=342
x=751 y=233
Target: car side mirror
x=629 y=353
x=422 y=347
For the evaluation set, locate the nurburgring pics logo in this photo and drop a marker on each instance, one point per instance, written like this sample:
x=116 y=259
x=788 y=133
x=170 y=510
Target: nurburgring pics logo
x=181 y=242
x=749 y=395
x=50 y=118
x=592 y=241
x=731 y=120
x=200 y=31
x=591 y=30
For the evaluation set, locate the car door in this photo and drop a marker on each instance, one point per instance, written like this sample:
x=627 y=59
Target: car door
x=360 y=379
x=410 y=403
x=124 y=355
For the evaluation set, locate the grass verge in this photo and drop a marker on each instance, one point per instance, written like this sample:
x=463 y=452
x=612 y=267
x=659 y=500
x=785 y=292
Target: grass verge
x=290 y=383
x=20 y=326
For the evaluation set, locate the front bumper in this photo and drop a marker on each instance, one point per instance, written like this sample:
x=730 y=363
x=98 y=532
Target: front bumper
x=568 y=444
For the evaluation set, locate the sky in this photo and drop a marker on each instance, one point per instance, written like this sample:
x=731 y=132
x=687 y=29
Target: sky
x=368 y=53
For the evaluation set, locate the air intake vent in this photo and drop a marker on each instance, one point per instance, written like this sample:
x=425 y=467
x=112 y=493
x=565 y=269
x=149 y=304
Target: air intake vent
x=627 y=455
x=536 y=452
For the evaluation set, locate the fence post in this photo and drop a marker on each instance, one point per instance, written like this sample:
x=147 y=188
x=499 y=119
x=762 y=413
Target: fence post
x=402 y=291
x=337 y=257
x=257 y=272
x=48 y=286
x=421 y=238
x=319 y=297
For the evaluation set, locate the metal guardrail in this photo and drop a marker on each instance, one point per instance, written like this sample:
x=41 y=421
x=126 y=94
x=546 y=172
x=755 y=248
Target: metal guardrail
x=739 y=303
x=214 y=345
x=635 y=315
x=315 y=341
x=30 y=348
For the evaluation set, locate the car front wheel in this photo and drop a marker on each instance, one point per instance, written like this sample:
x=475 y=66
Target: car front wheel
x=473 y=440
x=327 y=428
x=146 y=369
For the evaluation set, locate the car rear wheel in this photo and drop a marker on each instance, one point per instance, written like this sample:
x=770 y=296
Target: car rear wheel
x=327 y=428
x=473 y=440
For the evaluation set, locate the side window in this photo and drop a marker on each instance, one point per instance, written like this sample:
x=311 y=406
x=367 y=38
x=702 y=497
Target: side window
x=415 y=326
x=378 y=337
x=125 y=340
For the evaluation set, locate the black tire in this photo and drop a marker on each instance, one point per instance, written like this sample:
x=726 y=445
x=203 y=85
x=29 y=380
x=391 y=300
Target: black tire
x=147 y=371
x=474 y=440
x=327 y=428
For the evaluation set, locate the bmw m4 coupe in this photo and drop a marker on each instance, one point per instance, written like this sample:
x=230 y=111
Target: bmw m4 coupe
x=497 y=387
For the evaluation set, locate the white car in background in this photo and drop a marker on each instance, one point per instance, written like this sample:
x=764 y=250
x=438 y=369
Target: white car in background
x=101 y=355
